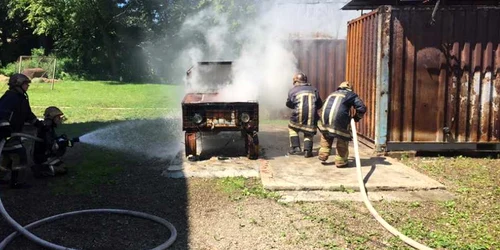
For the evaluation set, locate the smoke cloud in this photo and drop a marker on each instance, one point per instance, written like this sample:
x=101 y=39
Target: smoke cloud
x=260 y=49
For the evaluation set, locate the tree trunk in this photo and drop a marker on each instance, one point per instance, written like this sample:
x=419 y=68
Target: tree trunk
x=107 y=40
x=4 y=50
x=111 y=53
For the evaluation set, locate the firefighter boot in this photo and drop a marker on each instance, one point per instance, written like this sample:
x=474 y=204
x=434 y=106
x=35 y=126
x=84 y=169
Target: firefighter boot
x=14 y=181
x=294 y=145
x=308 y=144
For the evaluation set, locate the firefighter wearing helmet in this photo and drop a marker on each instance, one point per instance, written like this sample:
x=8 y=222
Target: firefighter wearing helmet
x=47 y=154
x=335 y=122
x=15 y=111
x=304 y=101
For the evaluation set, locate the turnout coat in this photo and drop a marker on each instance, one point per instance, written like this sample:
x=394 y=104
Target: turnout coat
x=305 y=102
x=335 y=113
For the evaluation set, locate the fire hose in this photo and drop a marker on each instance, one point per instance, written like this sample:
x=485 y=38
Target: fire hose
x=368 y=205
x=20 y=230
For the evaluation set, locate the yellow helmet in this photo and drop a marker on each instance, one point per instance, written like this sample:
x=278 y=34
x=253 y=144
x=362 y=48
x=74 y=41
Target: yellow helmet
x=345 y=85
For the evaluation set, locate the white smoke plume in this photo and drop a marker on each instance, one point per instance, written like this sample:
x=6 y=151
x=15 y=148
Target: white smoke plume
x=264 y=65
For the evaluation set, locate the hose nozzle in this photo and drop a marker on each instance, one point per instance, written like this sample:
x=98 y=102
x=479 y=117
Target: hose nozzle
x=75 y=139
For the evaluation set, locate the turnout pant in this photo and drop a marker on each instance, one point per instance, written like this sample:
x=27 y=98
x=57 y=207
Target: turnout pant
x=15 y=160
x=295 y=140
x=342 y=148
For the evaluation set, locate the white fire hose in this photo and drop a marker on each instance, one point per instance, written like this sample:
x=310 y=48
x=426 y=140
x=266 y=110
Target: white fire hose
x=24 y=230
x=368 y=205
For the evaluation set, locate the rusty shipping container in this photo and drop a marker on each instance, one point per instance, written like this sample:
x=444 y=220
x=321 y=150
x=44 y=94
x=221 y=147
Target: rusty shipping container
x=427 y=87
x=322 y=60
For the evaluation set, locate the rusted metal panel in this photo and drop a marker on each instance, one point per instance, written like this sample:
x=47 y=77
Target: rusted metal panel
x=495 y=120
x=444 y=78
x=323 y=61
x=397 y=103
x=486 y=81
x=362 y=65
x=451 y=50
x=408 y=74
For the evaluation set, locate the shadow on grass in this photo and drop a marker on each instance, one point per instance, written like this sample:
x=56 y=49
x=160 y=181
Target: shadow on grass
x=119 y=166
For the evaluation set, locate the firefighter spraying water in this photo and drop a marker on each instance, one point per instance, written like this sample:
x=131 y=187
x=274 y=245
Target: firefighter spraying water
x=47 y=153
x=49 y=147
x=15 y=111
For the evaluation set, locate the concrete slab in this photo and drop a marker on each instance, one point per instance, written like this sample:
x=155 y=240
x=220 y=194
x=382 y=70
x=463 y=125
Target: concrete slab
x=379 y=173
x=405 y=196
x=223 y=156
x=215 y=167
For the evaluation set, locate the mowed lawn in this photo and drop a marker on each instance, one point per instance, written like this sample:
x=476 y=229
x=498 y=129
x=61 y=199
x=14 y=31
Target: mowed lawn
x=471 y=221
x=106 y=101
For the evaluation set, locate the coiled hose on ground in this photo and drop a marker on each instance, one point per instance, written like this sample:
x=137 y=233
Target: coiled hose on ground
x=368 y=205
x=24 y=230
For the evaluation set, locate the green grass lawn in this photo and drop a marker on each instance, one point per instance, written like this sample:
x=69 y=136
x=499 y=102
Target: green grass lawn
x=106 y=101
x=91 y=105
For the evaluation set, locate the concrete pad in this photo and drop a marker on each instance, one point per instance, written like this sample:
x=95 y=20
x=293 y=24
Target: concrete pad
x=223 y=156
x=404 y=196
x=379 y=174
x=215 y=167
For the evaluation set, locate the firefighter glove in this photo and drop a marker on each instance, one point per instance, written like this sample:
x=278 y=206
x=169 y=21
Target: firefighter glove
x=357 y=118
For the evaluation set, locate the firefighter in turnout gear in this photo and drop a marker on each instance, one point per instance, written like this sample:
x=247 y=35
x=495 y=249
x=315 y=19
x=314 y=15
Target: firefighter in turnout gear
x=47 y=154
x=335 y=122
x=15 y=110
x=304 y=101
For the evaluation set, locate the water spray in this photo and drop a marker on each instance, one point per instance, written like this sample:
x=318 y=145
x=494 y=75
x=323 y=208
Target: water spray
x=20 y=230
x=368 y=205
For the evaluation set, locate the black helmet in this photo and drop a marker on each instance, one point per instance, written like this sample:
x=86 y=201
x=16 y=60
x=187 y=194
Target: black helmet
x=17 y=80
x=299 y=77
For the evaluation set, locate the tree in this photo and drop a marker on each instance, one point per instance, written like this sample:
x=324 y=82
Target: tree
x=106 y=38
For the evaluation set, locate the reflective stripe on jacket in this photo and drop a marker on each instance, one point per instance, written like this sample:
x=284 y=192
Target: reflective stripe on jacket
x=304 y=101
x=335 y=114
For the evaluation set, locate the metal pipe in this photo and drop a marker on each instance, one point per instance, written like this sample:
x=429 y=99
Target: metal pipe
x=24 y=230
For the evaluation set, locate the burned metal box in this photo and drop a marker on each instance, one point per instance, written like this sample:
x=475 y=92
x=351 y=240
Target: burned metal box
x=205 y=111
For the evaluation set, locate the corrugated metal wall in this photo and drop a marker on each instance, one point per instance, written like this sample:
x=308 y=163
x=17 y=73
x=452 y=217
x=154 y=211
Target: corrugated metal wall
x=445 y=76
x=323 y=61
x=361 y=66
x=442 y=78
